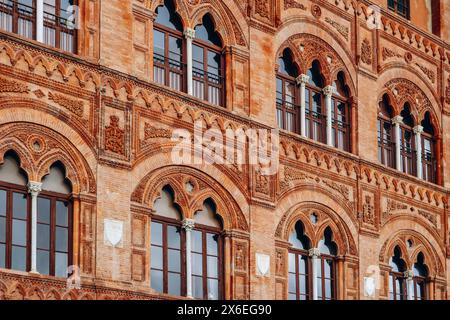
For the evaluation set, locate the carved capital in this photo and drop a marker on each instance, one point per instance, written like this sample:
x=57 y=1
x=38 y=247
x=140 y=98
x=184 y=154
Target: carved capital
x=189 y=33
x=408 y=274
x=397 y=120
x=314 y=253
x=34 y=188
x=302 y=79
x=418 y=129
x=328 y=90
x=188 y=224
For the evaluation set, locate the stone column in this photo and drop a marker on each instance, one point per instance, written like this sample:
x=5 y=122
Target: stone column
x=328 y=91
x=40 y=20
x=189 y=34
x=188 y=225
x=34 y=188
x=396 y=121
x=314 y=253
x=409 y=284
x=302 y=80
x=418 y=135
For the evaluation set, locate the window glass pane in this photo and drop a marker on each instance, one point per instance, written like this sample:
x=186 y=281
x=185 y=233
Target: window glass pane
x=328 y=289
x=212 y=244
x=156 y=257
x=2 y=255
x=62 y=235
x=197 y=287
x=156 y=233
x=292 y=285
x=43 y=236
x=213 y=267
x=291 y=262
x=43 y=210
x=213 y=63
x=19 y=206
x=61 y=264
x=196 y=243
x=19 y=261
x=2 y=229
x=302 y=284
x=174 y=260
x=158 y=43
x=157 y=280
x=19 y=236
x=2 y=203
x=175 y=49
x=174 y=284
x=43 y=262
x=61 y=214
x=173 y=237
x=292 y=296
x=213 y=289
x=327 y=268
x=197 y=56
x=302 y=260
x=197 y=267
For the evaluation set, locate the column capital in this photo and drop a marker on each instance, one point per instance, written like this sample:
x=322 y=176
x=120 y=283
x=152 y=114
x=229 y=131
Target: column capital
x=189 y=33
x=397 y=120
x=314 y=252
x=418 y=129
x=34 y=187
x=188 y=224
x=409 y=274
x=302 y=79
x=328 y=90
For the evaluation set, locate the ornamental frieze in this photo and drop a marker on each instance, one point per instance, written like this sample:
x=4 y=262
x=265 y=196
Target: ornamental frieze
x=12 y=86
x=393 y=207
x=74 y=106
x=115 y=137
x=343 y=30
x=366 y=52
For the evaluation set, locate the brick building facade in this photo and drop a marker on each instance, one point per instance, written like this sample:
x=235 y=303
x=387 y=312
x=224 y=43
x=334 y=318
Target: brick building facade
x=357 y=210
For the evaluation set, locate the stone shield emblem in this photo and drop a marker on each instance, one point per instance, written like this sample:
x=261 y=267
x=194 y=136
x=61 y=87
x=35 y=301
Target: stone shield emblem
x=113 y=232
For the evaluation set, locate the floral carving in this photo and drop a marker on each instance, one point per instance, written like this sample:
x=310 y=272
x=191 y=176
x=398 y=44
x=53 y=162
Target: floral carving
x=292 y=4
x=405 y=90
x=262 y=8
x=340 y=28
x=392 y=206
x=114 y=137
x=262 y=184
x=447 y=94
x=316 y=11
x=12 y=86
x=368 y=214
x=429 y=73
x=388 y=53
x=151 y=132
x=366 y=52
x=74 y=106
x=240 y=262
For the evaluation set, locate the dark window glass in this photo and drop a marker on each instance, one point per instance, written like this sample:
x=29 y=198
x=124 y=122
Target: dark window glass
x=401 y=7
x=60 y=24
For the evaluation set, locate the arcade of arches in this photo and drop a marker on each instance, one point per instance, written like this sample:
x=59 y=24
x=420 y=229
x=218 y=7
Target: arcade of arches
x=90 y=193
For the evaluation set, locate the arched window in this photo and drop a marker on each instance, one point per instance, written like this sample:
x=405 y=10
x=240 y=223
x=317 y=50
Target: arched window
x=428 y=150
x=407 y=142
x=54 y=223
x=19 y=17
x=167 y=272
x=420 y=273
x=208 y=63
x=59 y=28
x=397 y=282
x=340 y=113
x=14 y=215
x=168 y=50
x=299 y=265
x=386 y=149
x=315 y=118
x=287 y=93
x=207 y=254
x=327 y=271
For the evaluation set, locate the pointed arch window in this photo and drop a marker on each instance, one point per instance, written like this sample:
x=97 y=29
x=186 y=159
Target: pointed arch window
x=168 y=48
x=299 y=265
x=287 y=93
x=59 y=29
x=428 y=150
x=19 y=16
x=315 y=109
x=420 y=275
x=407 y=142
x=208 y=63
x=386 y=148
x=327 y=271
x=397 y=281
x=340 y=113
x=54 y=220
